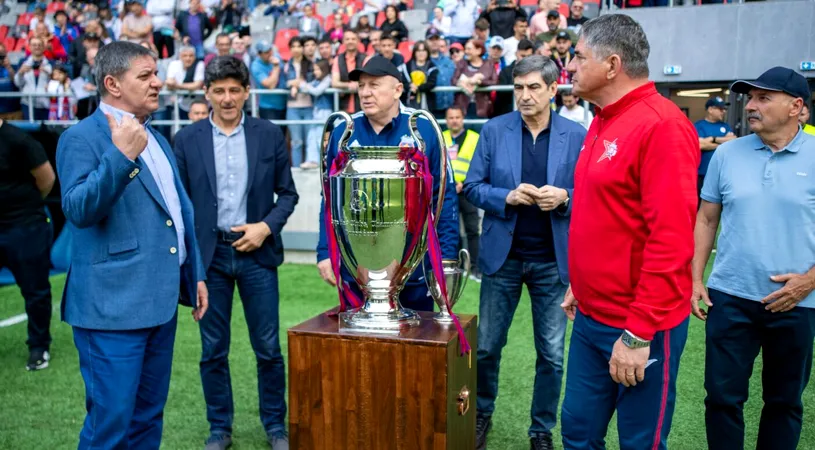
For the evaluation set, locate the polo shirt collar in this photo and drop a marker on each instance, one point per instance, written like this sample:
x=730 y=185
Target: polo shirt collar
x=394 y=124
x=629 y=99
x=793 y=146
x=118 y=114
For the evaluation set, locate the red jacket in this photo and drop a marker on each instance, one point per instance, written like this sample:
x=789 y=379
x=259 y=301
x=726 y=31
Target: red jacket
x=633 y=213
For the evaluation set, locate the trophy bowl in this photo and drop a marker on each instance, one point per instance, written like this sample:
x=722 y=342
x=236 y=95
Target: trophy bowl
x=379 y=216
x=456 y=272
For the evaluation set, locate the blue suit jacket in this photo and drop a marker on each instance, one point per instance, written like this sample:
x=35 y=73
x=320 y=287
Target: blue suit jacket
x=269 y=174
x=122 y=273
x=496 y=170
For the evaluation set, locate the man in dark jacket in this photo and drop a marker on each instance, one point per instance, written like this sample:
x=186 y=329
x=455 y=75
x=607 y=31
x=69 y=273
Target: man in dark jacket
x=501 y=15
x=503 y=100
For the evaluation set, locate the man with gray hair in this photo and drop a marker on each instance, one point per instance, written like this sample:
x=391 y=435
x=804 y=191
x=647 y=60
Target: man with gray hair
x=134 y=257
x=630 y=245
x=522 y=175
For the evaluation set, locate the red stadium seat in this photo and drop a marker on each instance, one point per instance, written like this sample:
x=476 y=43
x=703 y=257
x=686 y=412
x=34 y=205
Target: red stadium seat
x=320 y=19
x=3 y=32
x=25 y=19
x=563 y=9
x=380 y=19
x=54 y=7
x=406 y=49
x=329 y=21
x=22 y=45
x=9 y=43
x=281 y=41
x=528 y=3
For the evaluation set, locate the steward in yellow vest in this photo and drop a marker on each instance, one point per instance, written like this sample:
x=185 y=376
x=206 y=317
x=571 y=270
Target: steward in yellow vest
x=461 y=156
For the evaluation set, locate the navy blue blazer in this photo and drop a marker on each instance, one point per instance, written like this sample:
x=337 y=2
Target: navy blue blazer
x=269 y=174
x=124 y=272
x=496 y=170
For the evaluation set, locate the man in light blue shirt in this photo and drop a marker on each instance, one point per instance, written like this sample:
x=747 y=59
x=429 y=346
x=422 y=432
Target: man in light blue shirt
x=761 y=289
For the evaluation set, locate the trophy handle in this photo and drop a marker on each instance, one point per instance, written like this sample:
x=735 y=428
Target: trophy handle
x=464 y=263
x=414 y=131
x=346 y=136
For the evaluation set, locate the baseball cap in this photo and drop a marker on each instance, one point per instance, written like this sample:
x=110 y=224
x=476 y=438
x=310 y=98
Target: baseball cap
x=495 y=41
x=457 y=46
x=563 y=35
x=553 y=13
x=434 y=32
x=263 y=46
x=779 y=79
x=377 y=66
x=717 y=102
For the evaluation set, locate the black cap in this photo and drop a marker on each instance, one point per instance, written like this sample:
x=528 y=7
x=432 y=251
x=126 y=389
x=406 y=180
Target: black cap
x=563 y=35
x=92 y=36
x=779 y=79
x=553 y=13
x=377 y=66
x=717 y=102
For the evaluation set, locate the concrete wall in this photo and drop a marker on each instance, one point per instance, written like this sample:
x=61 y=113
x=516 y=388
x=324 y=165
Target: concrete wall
x=728 y=42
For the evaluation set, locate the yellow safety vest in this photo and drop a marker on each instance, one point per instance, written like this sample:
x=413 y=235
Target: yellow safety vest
x=809 y=129
x=465 y=154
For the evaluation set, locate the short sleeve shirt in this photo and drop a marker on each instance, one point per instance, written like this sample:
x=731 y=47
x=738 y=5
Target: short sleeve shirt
x=707 y=129
x=20 y=199
x=768 y=212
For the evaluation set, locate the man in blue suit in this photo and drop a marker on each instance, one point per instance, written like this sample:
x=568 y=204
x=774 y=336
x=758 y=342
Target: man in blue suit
x=232 y=166
x=134 y=255
x=522 y=176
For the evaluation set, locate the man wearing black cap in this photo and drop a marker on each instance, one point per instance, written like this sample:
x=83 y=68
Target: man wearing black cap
x=553 y=23
x=713 y=131
x=383 y=121
x=760 y=186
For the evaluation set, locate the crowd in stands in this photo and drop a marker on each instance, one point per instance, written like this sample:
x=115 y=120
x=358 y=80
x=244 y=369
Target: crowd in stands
x=286 y=45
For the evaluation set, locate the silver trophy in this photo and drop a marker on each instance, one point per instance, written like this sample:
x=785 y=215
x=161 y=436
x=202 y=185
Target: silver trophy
x=456 y=272
x=378 y=221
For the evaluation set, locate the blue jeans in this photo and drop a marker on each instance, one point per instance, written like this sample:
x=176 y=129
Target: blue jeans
x=258 y=289
x=736 y=330
x=298 y=133
x=500 y=295
x=644 y=411
x=127 y=378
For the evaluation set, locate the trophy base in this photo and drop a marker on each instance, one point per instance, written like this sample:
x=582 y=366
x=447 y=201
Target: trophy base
x=360 y=321
x=443 y=318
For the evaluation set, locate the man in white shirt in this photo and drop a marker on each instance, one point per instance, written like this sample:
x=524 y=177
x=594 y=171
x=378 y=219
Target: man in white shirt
x=511 y=44
x=574 y=111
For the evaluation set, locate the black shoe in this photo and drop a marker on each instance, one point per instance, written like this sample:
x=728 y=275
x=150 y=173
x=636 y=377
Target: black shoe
x=541 y=442
x=38 y=360
x=483 y=425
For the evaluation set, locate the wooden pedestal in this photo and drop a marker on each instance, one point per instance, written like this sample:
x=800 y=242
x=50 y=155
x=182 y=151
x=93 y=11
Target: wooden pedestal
x=410 y=391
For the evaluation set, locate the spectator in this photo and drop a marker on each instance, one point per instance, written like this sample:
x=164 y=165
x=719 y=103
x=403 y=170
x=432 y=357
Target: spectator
x=392 y=26
x=324 y=49
x=576 y=20
x=803 y=120
x=463 y=15
x=519 y=33
x=348 y=8
x=62 y=100
x=308 y=25
x=79 y=47
x=299 y=106
x=502 y=16
x=185 y=73
x=9 y=107
x=713 y=131
x=276 y=9
x=373 y=46
x=229 y=16
x=482 y=30
x=323 y=107
x=223 y=47
x=240 y=51
x=38 y=18
x=162 y=13
x=342 y=66
x=112 y=24
x=32 y=78
x=471 y=74
x=136 y=26
x=504 y=100
x=53 y=46
x=194 y=27
x=537 y=24
x=370 y=8
x=310 y=48
x=573 y=110
x=265 y=71
x=562 y=55
x=65 y=32
x=199 y=110
x=423 y=77
x=445 y=68
x=495 y=46
x=552 y=24
x=456 y=52
x=544 y=49
x=387 y=49
x=440 y=21
x=336 y=33
x=86 y=106
x=364 y=30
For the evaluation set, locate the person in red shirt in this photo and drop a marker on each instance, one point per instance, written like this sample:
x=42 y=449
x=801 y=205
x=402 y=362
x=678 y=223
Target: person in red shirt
x=630 y=245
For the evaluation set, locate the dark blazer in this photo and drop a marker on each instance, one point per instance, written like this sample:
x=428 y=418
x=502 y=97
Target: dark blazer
x=269 y=175
x=124 y=271
x=496 y=170
x=181 y=24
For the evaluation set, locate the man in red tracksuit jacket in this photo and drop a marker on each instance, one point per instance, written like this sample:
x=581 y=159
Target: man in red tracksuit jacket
x=630 y=245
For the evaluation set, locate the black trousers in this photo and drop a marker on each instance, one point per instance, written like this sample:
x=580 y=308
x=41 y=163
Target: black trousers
x=736 y=330
x=469 y=215
x=25 y=250
x=163 y=42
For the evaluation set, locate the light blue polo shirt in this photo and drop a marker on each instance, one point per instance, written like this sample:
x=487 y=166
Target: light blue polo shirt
x=768 y=214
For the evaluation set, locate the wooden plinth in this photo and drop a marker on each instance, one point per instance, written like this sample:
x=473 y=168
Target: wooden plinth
x=381 y=392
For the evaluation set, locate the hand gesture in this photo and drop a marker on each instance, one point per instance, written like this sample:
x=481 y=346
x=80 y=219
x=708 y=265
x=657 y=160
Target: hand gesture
x=326 y=272
x=202 y=302
x=253 y=236
x=699 y=293
x=23 y=69
x=275 y=60
x=186 y=40
x=569 y=304
x=796 y=288
x=551 y=197
x=627 y=365
x=459 y=187
x=525 y=194
x=129 y=136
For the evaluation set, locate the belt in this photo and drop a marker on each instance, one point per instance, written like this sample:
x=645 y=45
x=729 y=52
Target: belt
x=229 y=236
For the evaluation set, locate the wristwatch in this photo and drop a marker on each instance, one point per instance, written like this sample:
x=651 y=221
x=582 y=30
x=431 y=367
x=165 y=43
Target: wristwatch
x=631 y=341
x=714 y=139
